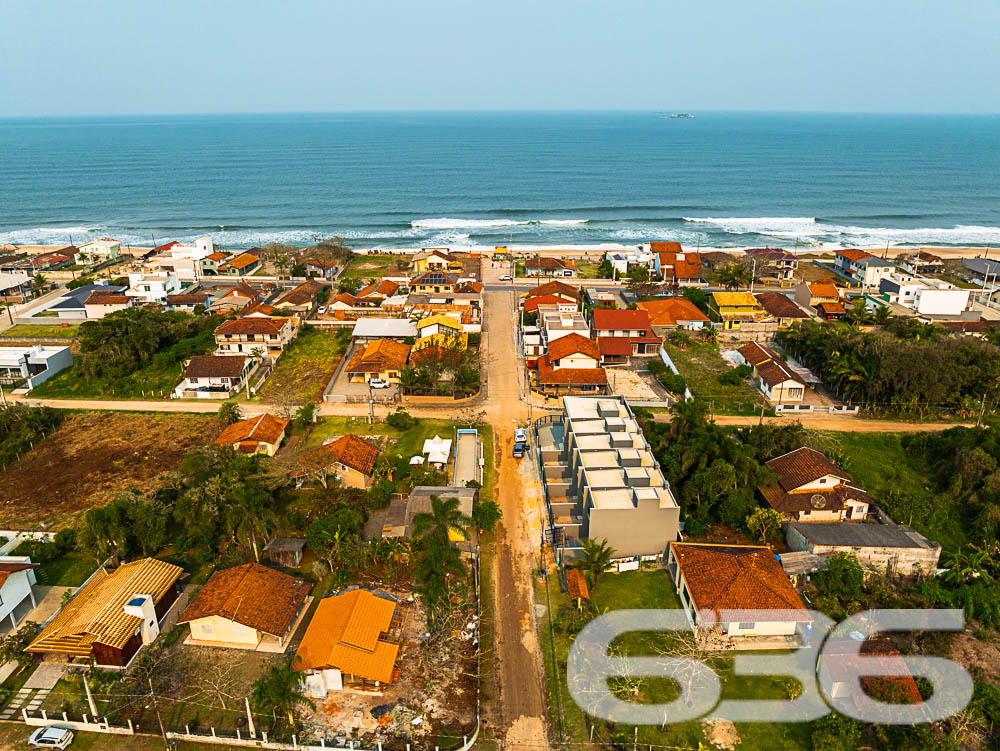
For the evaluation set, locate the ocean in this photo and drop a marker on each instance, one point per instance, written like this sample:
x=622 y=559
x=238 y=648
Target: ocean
x=567 y=180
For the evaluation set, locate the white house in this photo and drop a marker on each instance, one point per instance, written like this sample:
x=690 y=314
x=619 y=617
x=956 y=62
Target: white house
x=214 y=376
x=98 y=251
x=152 y=287
x=929 y=297
x=17 y=575
x=32 y=365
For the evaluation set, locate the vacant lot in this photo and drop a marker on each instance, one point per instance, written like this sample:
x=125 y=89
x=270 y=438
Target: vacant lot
x=701 y=364
x=89 y=457
x=374 y=266
x=306 y=367
x=66 y=331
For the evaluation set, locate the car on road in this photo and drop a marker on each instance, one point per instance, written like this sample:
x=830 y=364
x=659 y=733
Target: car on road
x=378 y=383
x=322 y=310
x=51 y=737
x=518 y=450
x=506 y=278
x=520 y=435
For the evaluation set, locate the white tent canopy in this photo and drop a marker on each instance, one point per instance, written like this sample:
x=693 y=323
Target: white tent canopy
x=438 y=449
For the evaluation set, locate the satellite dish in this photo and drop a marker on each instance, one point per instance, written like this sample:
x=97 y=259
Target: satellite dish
x=817 y=501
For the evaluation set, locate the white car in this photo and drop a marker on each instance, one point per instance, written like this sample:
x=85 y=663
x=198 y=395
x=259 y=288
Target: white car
x=322 y=310
x=520 y=436
x=378 y=383
x=51 y=737
x=505 y=278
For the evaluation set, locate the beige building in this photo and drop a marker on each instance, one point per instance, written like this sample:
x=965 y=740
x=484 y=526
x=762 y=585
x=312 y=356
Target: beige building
x=255 y=435
x=811 y=488
x=603 y=482
x=246 y=607
x=269 y=336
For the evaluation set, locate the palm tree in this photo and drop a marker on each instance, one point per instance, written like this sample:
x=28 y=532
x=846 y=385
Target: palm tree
x=280 y=692
x=444 y=517
x=230 y=412
x=248 y=518
x=882 y=315
x=734 y=276
x=597 y=558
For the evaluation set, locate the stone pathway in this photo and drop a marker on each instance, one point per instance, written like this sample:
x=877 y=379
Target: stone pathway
x=16 y=703
x=47 y=675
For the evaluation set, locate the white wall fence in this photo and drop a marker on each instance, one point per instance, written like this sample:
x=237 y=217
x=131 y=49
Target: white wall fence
x=87 y=724
x=835 y=409
x=673 y=369
x=15 y=538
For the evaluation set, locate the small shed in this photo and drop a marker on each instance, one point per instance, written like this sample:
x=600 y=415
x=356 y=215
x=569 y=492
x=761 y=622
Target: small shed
x=576 y=586
x=285 y=551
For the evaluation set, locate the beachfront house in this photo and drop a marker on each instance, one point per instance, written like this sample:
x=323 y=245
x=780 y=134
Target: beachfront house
x=674 y=265
x=100 y=251
x=548 y=266
x=775 y=262
x=152 y=287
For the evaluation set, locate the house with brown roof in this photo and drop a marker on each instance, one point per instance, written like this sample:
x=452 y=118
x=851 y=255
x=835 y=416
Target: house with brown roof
x=262 y=434
x=246 y=607
x=812 y=488
x=188 y=301
x=556 y=288
x=113 y=615
x=214 y=376
x=676 y=266
x=243 y=264
x=771 y=375
x=352 y=642
x=673 y=313
x=379 y=358
x=780 y=307
x=549 y=266
x=352 y=460
x=632 y=325
x=572 y=365
x=99 y=304
x=264 y=336
x=776 y=262
x=320 y=267
x=301 y=301
x=735 y=592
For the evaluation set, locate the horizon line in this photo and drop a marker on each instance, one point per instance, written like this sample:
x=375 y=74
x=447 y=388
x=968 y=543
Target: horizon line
x=488 y=111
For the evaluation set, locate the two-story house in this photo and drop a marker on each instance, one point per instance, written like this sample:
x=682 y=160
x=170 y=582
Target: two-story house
x=214 y=376
x=433 y=281
x=633 y=325
x=675 y=266
x=812 y=488
x=572 y=365
x=776 y=262
x=152 y=287
x=267 y=337
x=732 y=309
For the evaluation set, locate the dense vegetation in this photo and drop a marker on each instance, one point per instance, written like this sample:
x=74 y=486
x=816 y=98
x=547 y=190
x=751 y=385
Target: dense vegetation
x=21 y=427
x=906 y=368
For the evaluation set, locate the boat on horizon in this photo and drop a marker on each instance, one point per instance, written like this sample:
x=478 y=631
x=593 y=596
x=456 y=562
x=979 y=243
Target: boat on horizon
x=682 y=116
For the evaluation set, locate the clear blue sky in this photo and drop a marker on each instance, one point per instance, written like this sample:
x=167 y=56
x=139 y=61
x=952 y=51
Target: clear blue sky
x=66 y=57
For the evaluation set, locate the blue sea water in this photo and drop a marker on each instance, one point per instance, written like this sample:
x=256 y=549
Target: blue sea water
x=528 y=179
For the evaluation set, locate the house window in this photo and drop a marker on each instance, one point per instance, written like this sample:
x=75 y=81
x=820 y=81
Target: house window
x=206 y=628
x=194 y=380
x=747 y=626
x=822 y=481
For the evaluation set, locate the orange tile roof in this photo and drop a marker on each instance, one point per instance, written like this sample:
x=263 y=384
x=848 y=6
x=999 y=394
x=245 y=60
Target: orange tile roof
x=380 y=355
x=106 y=298
x=382 y=288
x=614 y=345
x=345 y=633
x=242 y=261
x=832 y=308
x=665 y=246
x=532 y=303
x=673 y=266
x=549 y=376
x=216 y=256
x=559 y=289
x=268 y=310
x=264 y=428
x=853 y=254
x=671 y=310
x=621 y=320
x=304 y=294
x=824 y=289
x=737 y=579
x=757 y=354
x=572 y=344
x=252 y=595
x=803 y=466
x=354 y=452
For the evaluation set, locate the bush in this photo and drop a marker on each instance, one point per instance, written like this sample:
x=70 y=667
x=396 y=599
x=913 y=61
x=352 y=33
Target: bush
x=41 y=551
x=65 y=540
x=401 y=420
x=673 y=383
x=656 y=367
x=694 y=528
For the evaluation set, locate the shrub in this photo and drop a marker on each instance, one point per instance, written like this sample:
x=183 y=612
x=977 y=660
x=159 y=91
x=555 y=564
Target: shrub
x=672 y=382
x=65 y=540
x=401 y=420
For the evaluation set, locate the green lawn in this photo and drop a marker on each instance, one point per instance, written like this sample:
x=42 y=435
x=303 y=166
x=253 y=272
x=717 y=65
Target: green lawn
x=373 y=266
x=154 y=381
x=306 y=367
x=41 y=330
x=587 y=270
x=70 y=570
x=701 y=364
x=650 y=589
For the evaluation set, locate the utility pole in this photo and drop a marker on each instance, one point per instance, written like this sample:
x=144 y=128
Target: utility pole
x=159 y=719
x=90 y=698
x=250 y=725
x=982 y=409
x=3 y=397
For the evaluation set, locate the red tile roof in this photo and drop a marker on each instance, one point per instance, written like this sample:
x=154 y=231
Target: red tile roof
x=469 y=287
x=780 y=306
x=572 y=344
x=803 y=466
x=853 y=254
x=668 y=246
x=559 y=289
x=250 y=326
x=165 y=246
x=242 y=261
x=548 y=376
x=532 y=303
x=354 y=452
x=733 y=581
x=380 y=355
x=621 y=320
x=672 y=310
x=757 y=354
x=680 y=265
x=831 y=309
x=381 y=288
x=252 y=595
x=264 y=428
x=824 y=289
x=106 y=298
x=576 y=584
x=304 y=294
x=614 y=346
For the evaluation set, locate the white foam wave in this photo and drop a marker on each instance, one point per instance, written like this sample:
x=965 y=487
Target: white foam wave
x=449 y=223
x=764 y=225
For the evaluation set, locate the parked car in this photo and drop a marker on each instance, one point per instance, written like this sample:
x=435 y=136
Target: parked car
x=378 y=383
x=321 y=310
x=518 y=450
x=520 y=435
x=51 y=737
x=506 y=278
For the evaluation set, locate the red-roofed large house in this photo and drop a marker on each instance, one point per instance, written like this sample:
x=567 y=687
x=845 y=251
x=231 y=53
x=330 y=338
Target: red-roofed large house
x=248 y=335
x=811 y=488
x=676 y=266
x=633 y=325
x=672 y=313
x=532 y=304
x=571 y=366
x=735 y=592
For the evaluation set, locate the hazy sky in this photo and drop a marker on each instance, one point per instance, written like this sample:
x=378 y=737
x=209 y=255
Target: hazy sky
x=65 y=57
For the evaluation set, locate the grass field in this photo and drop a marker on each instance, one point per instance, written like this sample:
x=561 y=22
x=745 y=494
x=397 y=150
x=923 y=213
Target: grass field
x=587 y=270
x=701 y=365
x=27 y=331
x=650 y=589
x=69 y=570
x=155 y=381
x=373 y=266
x=306 y=366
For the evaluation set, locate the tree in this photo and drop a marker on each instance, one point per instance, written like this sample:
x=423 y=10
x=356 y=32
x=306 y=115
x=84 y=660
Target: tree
x=280 y=693
x=834 y=732
x=597 y=558
x=306 y=414
x=329 y=536
x=734 y=276
x=858 y=314
x=444 y=518
x=401 y=419
x=843 y=576
x=39 y=280
x=12 y=645
x=249 y=518
x=764 y=523
x=486 y=515
x=350 y=285
x=230 y=412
